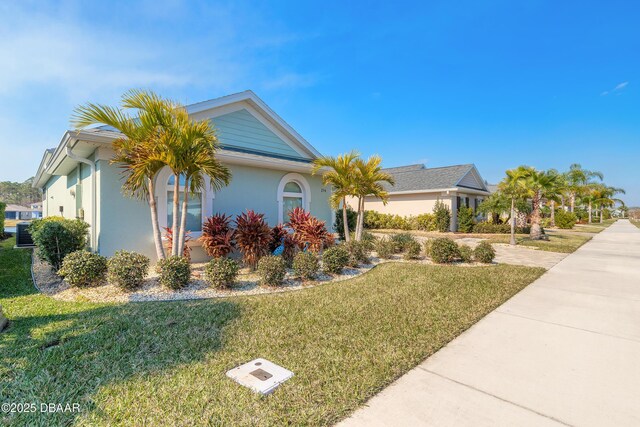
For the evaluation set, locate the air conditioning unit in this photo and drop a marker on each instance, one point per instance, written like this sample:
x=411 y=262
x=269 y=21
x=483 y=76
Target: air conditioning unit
x=23 y=237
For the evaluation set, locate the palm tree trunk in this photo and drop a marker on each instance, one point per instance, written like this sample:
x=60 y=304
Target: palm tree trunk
x=183 y=221
x=589 y=211
x=572 y=200
x=601 y=213
x=536 y=229
x=176 y=205
x=157 y=236
x=562 y=201
x=512 y=241
x=553 y=213
x=345 y=221
x=360 y=220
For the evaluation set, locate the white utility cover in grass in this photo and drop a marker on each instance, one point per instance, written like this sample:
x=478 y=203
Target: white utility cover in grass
x=260 y=375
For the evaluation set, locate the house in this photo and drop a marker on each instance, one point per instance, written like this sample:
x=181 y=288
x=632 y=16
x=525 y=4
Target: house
x=36 y=210
x=418 y=188
x=269 y=160
x=17 y=212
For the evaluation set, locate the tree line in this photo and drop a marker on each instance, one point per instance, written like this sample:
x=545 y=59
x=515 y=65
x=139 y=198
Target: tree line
x=19 y=193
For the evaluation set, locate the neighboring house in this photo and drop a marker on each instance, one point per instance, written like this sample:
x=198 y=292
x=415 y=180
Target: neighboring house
x=36 y=210
x=269 y=160
x=418 y=188
x=17 y=212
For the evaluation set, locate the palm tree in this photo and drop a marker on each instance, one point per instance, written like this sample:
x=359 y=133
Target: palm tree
x=368 y=182
x=556 y=194
x=538 y=185
x=604 y=196
x=495 y=205
x=513 y=186
x=137 y=150
x=339 y=173
x=577 y=180
x=195 y=149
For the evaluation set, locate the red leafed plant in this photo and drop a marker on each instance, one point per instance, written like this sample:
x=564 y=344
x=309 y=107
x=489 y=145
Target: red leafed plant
x=253 y=237
x=218 y=235
x=281 y=236
x=309 y=231
x=186 y=251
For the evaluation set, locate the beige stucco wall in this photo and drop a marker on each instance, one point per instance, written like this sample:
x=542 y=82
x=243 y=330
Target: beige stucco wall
x=404 y=204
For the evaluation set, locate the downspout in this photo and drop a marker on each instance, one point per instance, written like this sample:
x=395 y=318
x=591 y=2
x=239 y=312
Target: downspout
x=92 y=165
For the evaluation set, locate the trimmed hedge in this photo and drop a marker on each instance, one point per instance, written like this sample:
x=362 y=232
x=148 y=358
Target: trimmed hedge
x=175 y=272
x=484 y=253
x=335 y=259
x=56 y=237
x=358 y=252
x=272 y=270
x=127 y=270
x=306 y=265
x=444 y=250
x=466 y=254
x=221 y=273
x=412 y=250
x=491 y=228
x=82 y=268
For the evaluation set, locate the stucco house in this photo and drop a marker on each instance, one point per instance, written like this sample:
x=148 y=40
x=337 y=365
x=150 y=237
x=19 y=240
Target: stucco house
x=418 y=188
x=269 y=160
x=17 y=212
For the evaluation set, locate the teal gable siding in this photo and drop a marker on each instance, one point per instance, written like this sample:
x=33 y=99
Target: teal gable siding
x=241 y=130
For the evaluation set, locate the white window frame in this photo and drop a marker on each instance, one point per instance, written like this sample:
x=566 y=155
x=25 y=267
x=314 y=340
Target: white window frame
x=306 y=193
x=162 y=190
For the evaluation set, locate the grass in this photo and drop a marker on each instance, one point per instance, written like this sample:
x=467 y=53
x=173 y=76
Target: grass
x=165 y=362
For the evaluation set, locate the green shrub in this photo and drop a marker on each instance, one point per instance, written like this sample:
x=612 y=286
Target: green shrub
x=338 y=226
x=412 y=250
x=175 y=272
x=401 y=241
x=357 y=253
x=466 y=254
x=335 y=259
x=427 y=247
x=306 y=265
x=385 y=248
x=442 y=216
x=565 y=219
x=221 y=273
x=56 y=237
x=368 y=240
x=272 y=269
x=490 y=228
x=82 y=268
x=2 y=208
x=425 y=222
x=465 y=219
x=484 y=253
x=444 y=250
x=127 y=270
x=376 y=220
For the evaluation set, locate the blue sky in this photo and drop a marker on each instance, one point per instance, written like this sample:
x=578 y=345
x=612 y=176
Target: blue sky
x=495 y=83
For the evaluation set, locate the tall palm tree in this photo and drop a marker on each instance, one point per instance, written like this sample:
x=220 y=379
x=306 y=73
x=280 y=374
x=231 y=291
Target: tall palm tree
x=339 y=173
x=368 y=182
x=577 y=181
x=604 y=196
x=495 y=205
x=513 y=186
x=194 y=149
x=137 y=150
x=538 y=185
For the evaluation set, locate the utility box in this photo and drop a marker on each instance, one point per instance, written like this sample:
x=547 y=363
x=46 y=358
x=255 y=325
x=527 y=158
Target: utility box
x=23 y=237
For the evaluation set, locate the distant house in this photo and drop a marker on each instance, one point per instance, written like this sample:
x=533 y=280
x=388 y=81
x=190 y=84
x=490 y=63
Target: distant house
x=36 y=210
x=418 y=188
x=270 y=162
x=17 y=212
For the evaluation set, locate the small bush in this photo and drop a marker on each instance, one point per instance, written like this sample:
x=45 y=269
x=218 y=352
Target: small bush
x=402 y=241
x=484 y=253
x=368 y=240
x=465 y=219
x=412 y=250
x=442 y=216
x=56 y=237
x=466 y=254
x=565 y=219
x=427 y=247
x=127 y=270
x=385 y=248
x=221 y=273
x=376 y=220
x=491 y=228
x=253 y=237
x=444 y=250
x=271 y=270
x=306 y=265
x=338 y=226
x=82 y=268
x=425 y=222
x=175 y=272
x=335 y=259
x=357 y=253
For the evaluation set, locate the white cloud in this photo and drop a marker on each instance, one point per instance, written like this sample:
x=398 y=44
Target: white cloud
x=618 y=88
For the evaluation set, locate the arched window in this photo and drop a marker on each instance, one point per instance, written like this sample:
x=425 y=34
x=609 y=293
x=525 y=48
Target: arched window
x=293 y=192
x=194 y=206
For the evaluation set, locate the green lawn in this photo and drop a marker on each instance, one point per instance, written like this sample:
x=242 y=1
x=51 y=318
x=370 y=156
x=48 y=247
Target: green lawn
x=164 y=363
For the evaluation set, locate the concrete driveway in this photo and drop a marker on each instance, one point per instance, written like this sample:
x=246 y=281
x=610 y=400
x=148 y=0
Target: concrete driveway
x=564 y=351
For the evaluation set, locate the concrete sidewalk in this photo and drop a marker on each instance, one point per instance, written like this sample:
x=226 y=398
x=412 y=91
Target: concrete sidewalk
x=564 y=351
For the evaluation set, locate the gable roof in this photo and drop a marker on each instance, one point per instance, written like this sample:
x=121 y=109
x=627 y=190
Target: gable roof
x=418 y=178
x=17 y=208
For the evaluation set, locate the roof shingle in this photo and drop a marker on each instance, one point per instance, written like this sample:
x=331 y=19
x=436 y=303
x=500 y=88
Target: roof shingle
x=419 y=178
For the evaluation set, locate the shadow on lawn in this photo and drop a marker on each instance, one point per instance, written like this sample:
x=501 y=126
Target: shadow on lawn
x=66 y=356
